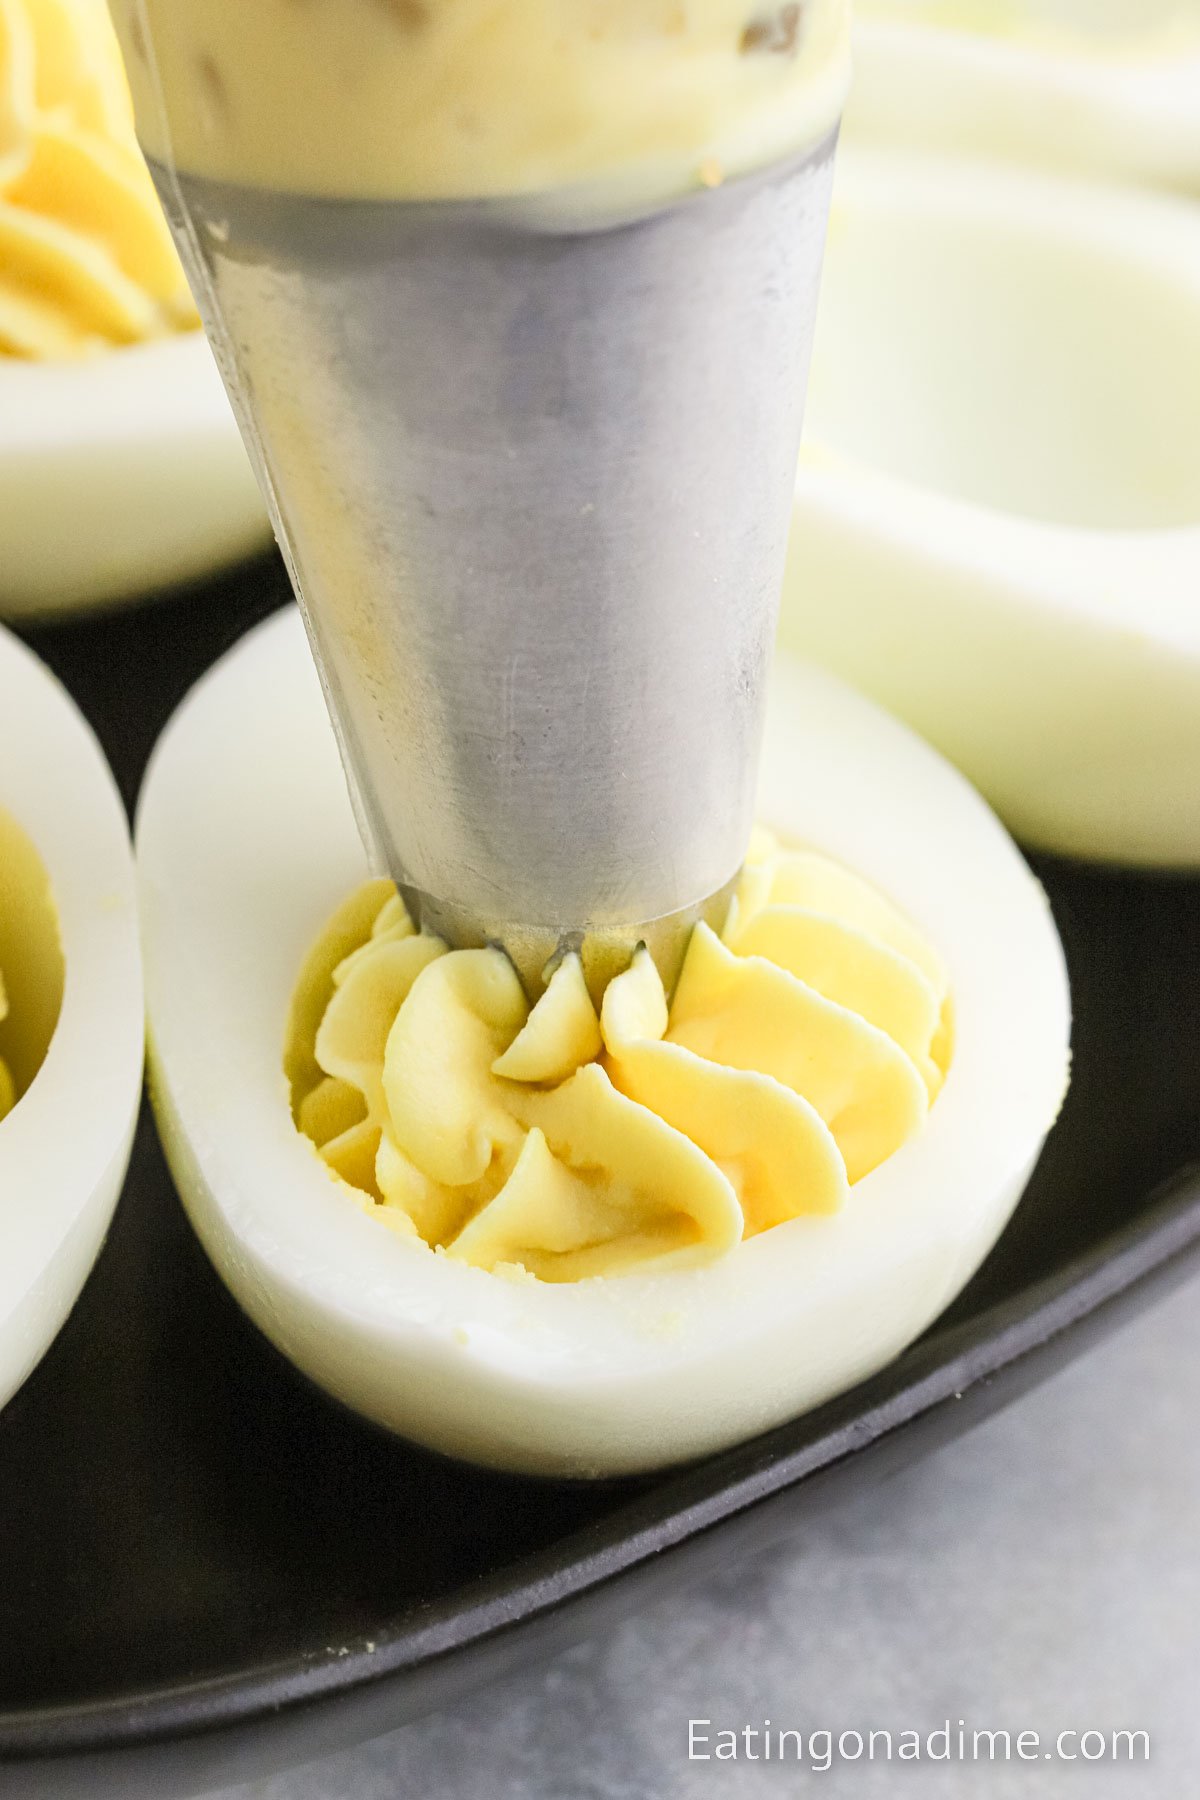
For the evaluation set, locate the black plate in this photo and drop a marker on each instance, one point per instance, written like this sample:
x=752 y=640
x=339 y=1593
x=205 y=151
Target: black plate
x=207 y=1569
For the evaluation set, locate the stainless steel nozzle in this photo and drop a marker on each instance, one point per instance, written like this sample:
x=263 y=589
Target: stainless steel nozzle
x=533 y=480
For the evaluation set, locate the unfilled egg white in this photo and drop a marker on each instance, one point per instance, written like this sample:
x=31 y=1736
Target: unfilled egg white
x=997 y=524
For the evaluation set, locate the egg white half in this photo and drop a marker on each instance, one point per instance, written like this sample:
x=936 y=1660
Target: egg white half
x=246 y=842
x=118 y=475
x=997 y=519
x=65 y=1145
x=1104 y=87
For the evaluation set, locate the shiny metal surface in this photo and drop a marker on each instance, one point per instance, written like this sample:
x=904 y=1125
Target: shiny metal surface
x=533 y=481
x=604 y=950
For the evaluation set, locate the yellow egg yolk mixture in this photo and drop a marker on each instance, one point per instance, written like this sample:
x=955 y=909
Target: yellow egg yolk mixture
x=802 y=1047
x=8 y=1092
x=86 y=260
x=32 y=973
x=423 y=99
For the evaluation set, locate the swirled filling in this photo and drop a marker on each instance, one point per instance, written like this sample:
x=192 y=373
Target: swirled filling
x=86 y=260
x=801 y=1048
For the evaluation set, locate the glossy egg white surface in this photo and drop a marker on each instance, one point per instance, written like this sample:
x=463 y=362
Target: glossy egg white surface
x=1092 y=87
x=245 y=844
x=119 y=474
x=65 y=1145
x=997 y=524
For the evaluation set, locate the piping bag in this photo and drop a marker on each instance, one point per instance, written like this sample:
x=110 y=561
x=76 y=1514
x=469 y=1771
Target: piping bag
x=528 y=443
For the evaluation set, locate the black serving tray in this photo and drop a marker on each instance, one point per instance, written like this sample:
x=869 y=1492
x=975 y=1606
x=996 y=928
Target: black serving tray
x=209 y=1570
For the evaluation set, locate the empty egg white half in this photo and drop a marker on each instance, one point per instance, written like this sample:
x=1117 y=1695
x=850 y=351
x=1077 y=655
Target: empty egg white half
x=64 y=1147
x=245 y=844
x=120 y=473
x=997 y=520
x=1103 y=87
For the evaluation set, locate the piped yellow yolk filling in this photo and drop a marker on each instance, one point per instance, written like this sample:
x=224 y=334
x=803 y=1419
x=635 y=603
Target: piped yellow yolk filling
x=86 y=260
x=8 y=1090
x=802 y=1047
x=32 y=971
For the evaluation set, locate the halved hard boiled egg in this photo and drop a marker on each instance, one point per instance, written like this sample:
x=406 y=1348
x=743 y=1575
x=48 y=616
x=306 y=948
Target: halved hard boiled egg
x=1105 y=87
x=120 y=473
x=247 y=844
x=71 y=1028
x=997 y=523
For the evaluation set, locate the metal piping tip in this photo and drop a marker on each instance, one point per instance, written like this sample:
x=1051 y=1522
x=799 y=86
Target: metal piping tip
x=605 y=951
x=533 y=479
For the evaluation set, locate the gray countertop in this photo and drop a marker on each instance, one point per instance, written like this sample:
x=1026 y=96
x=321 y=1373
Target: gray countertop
x=1041 y=1575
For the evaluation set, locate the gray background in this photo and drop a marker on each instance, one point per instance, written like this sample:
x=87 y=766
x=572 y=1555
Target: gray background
x=1041 y=1574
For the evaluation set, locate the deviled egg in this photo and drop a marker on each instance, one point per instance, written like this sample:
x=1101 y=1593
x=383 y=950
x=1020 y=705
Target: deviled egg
x=120 y=464
x=119 y=475
x=71 y=1026
x=247 y=846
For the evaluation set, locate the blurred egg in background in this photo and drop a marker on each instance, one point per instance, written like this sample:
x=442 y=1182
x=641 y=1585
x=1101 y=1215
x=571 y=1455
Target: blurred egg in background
x=121 y=469
x=997 y=525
